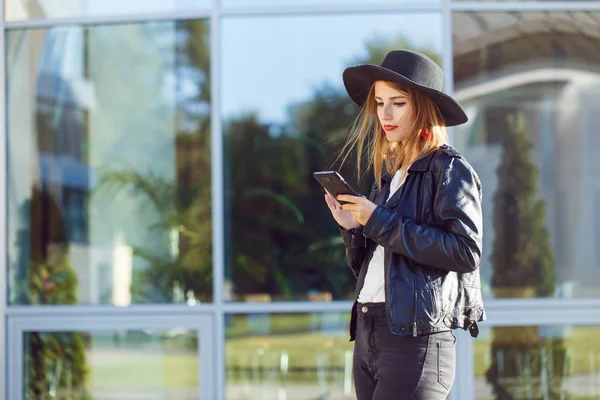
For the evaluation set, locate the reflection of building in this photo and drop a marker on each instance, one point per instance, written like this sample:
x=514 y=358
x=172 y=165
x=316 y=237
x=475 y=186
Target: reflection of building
x=506 y=63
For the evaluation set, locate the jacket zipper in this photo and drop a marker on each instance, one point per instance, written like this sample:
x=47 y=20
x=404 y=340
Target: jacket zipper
x=414 y=324
x=433 y=305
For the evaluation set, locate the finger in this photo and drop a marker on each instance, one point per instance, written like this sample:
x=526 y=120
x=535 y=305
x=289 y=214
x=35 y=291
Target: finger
x=331 y=203
x=348 y=197
x=350 y=207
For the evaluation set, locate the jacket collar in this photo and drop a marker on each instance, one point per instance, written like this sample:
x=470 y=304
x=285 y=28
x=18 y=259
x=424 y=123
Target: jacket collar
x=423 y=164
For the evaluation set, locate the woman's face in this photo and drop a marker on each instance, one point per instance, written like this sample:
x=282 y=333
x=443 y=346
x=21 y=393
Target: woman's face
x=394 y=110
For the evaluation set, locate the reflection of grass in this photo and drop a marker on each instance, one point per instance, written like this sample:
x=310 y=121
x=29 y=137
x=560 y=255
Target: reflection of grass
x=258 y=344
x=306 y=352
x=142 y=371
x=581 y=342
x=304 y=338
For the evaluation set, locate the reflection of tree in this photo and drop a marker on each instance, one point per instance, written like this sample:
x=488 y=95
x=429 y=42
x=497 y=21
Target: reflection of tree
x=55 y=362
x=189 y=268
x=182 y=204
x=281 y=239
x=523 y=363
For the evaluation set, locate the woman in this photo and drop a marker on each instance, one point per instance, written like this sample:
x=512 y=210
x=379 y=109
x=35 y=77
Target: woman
x=414 y=244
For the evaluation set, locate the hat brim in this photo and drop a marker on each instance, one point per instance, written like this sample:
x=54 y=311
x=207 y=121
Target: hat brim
x=359 y=79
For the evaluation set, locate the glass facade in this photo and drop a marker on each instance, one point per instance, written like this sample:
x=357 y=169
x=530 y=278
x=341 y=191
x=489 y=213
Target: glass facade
x=291 y=356
x=533 y=97
x=163 y=236
x=537 y=362
x=109 y=180
x=283 y=118
x=147 y=364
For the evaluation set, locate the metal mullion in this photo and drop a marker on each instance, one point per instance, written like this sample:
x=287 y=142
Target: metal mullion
x=500 y=311
x=527 y=312
x=21 y=325
x=218 y=210
x=108 y=311
x=459 y=388
x=4 y=210
x=332 y=9
x=206 y=341
x=447 y=55
x=288 y=307
x=526 y=6
x=15 y=361
x=108 y=19
x=97 y=323
x=464 y=383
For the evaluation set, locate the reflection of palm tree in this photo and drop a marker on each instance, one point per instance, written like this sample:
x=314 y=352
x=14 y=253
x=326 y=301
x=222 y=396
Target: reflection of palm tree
x=183 y=226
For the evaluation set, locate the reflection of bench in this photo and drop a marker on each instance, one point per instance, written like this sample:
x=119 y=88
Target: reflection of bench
x=320 y=296
x=257 y=298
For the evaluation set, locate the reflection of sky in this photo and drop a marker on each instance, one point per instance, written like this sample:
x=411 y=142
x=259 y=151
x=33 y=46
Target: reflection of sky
x=268 y=62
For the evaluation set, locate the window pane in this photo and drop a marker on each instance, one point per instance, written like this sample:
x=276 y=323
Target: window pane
x=144 y=364
x=109 y=164
x=304 y=3
x=18 y=10
x=530 y=362
x=288 y=356
x=285 y=115
x=531 y=85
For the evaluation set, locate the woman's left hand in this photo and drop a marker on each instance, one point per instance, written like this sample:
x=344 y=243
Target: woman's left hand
x=361 y=208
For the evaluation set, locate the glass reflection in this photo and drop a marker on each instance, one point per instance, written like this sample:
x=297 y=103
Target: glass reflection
x=286 y=114
x=117 y=365
x=18 y=10
x=109 y=164
x=533 y=96
x=288 y=356
x=549 y=362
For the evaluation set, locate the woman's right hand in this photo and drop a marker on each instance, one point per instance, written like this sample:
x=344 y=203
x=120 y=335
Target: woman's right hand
x=342 y=217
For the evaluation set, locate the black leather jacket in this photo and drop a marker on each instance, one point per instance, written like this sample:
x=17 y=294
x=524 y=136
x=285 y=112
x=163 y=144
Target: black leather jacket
x=431 y=230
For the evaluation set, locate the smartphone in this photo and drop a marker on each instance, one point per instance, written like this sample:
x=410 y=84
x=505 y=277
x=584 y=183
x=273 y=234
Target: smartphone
x=334 y=184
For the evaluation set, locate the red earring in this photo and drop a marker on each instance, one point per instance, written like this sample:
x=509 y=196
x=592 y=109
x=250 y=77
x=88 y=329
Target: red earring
x=425 y=135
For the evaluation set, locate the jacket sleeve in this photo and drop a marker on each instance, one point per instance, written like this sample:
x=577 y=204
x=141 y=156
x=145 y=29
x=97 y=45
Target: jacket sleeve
x=455 y=243
x=355 y=248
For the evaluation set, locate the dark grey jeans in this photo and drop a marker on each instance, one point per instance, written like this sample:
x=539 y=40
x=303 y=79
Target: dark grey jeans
x=392 y=367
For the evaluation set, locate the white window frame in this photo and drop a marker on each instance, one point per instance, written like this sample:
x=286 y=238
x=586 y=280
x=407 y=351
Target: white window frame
x=112 y=321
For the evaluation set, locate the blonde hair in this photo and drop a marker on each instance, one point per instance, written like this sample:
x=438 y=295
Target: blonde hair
x=380 y=152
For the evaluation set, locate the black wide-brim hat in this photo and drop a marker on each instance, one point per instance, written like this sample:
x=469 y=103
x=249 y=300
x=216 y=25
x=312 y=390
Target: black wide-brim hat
x=408 y=68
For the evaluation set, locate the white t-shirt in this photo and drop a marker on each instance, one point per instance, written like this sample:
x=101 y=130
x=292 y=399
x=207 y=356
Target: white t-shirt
x=373 y=290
